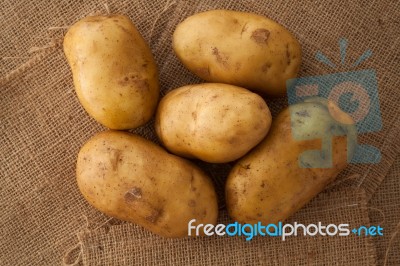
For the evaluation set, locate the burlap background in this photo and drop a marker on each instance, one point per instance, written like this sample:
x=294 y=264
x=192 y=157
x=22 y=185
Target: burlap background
x=385 y=210
x=43 y=127
x=129 y=245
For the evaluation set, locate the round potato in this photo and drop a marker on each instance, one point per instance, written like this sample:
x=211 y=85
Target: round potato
x=308 y=145
x=238 y=48
x=114 y=73
x=212 y=122
x=130 y=178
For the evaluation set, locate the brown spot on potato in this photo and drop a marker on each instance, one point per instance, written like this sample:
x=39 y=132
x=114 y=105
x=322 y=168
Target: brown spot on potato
x=115 y=158
x=242 y=171
x=223 y=113
x=191 y=203
x=303 y=113
x=154 y=216
x=265 y=67
x=288 y=59
x=194 y=115
x=124 y=29
x=191 y=177
x=152 y=179
x=134 y=80
x=263 y=184
x=244 y=28
x=193 y=188
x=260 y=36
x=133 y=194
x=221 y=58
x=124 y=81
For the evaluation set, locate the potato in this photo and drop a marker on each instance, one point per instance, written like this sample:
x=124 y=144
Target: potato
x=238 y=48
x=130 y=178
x=114 y=73
x=292 y=164
x=213 y=122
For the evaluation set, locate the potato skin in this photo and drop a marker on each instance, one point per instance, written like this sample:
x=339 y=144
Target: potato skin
x=238 y=48
x=114 y=73
x=213 y=122
x=268 y=184
x=130 y=178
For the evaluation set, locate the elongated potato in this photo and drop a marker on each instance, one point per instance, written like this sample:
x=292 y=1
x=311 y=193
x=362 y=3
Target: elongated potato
x=238 y=48
x=114 y=73
x=213 y=122
x=305 y=150
x=130 y=178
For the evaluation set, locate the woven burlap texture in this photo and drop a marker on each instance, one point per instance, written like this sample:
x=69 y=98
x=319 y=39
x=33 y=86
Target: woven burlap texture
x=384 y=209
x=43 y=125
x=131 y=245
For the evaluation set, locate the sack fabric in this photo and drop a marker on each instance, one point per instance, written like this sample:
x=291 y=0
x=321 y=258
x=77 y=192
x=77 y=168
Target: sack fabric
x=384 y=209
x=45 y=220
x=129 y=245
